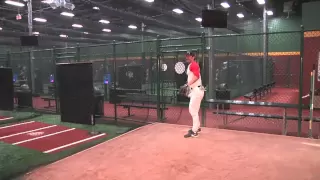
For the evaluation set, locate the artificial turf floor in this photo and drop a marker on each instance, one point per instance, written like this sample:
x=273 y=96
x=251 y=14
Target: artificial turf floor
x=15 y=160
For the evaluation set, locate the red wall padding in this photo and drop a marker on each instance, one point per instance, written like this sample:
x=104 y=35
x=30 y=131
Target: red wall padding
x=311 y=53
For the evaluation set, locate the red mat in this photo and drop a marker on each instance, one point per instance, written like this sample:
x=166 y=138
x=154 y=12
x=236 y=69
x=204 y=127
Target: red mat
x=35 y=134
x=59 y=140
x=45 y=137
x=21 y=127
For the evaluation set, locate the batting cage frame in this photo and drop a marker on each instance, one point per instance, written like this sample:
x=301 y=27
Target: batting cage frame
x=237 y=71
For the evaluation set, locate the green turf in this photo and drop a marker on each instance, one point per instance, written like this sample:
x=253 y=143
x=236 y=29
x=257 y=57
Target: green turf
x=15 y=160
x=17 y=116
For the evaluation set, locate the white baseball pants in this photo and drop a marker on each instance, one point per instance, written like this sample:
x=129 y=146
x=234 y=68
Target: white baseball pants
x=196 y=97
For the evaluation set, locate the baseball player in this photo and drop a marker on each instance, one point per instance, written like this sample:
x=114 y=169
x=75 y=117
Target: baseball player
x=196 y=93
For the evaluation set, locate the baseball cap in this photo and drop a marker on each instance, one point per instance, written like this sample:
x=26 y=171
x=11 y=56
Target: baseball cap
x=190 y=53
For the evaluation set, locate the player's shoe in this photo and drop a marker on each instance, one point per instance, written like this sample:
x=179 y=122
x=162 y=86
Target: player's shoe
x=191 y=134
x=199 y=130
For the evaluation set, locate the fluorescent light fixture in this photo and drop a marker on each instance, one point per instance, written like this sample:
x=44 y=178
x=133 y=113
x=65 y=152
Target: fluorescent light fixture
x=106 y=30
x=36 y=33
x=0 y=28
x=149 y=1
x=261 y=1
x=40 y=20
x=77 y=25
x=178 y=11
x=225 y=5
x=96 y=8
x=270 y=13
x=240 y=15
x=132 y=27
x=104 y=21
x=67 y=14
x=85 y=33
x=14 y=3
x=199 y=19
x=63 y=36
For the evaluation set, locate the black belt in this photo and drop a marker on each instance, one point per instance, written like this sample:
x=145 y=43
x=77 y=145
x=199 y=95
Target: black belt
x=197 y=86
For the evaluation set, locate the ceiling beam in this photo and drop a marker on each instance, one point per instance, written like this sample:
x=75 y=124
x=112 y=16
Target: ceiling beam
x=147 y=20
x=157 y=7
x=54 y=30
x=94 y=26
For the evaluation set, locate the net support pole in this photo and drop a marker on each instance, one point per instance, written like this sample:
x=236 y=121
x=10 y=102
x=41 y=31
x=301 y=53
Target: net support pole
x=301 y=80
x=158 y=44
x=143 y=54
x=312 y=79
x=265 y=45
x=142 y=36
x=8 y=59
x=211 y=69
x=30 y=27
x=114 y=56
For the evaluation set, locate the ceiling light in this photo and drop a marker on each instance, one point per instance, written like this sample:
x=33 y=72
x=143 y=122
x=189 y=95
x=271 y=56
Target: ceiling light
x=132 y=27
x=85 y=33
x=67 y=14
x=96 y=8
x=0 y=28
x=178 y=11
x=261 y=1
x=77 y=25
x=225 y=5
x=36 y=33
x=240 y=15
x=40 y=19
x=14 y=3
x=106 y=30
x=104 y=21
x=270 y=13
x=149 y=1
x=199 y=19
x=63 y=36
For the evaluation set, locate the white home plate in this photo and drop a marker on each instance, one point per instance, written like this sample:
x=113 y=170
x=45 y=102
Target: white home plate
x=36 y=133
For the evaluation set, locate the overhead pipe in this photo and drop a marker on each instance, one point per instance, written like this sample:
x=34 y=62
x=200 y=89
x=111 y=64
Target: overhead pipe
x=44 y=43
x=53 y=38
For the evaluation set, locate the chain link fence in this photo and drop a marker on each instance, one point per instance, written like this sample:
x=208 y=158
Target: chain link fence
x=139 y=80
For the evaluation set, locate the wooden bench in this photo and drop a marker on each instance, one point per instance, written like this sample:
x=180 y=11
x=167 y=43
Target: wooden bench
x=143 y=101
x=284 y=116
x=259 y=92
x=251 y=95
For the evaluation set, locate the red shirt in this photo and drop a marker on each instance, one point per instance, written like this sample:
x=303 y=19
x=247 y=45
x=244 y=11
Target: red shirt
x=195 y=69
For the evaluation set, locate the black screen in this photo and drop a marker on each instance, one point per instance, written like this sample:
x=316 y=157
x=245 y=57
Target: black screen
x=75 y=91
x=6 y=89
x=214 y=18
x=29 y=41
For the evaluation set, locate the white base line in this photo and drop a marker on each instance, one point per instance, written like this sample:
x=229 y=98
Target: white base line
x=16 y=125
x=3 y=119
x=28 y=140
x=312 y=144
x=25 y=132
x=77 y=142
